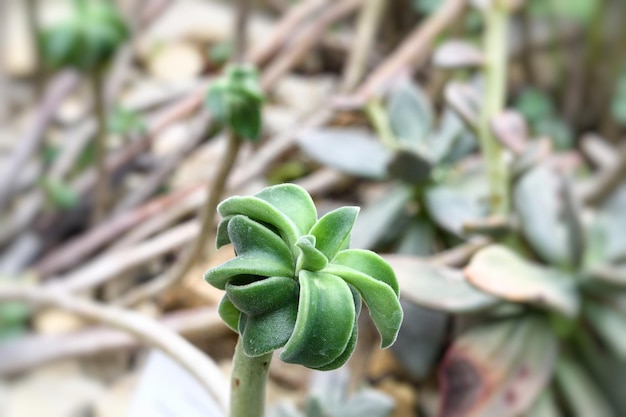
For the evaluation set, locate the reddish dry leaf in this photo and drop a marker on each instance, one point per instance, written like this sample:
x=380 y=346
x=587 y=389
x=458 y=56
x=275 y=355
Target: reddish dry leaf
x=497 y=370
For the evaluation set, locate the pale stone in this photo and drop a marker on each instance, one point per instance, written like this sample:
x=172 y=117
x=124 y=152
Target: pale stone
x=304 y=94
x=204 y=21
x=53 y=321
x=176 y=61
x=171 y=139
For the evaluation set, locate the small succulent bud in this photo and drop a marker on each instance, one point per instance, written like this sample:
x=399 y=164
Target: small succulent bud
x=87 y=40
x=236 y=99
x=295 y=284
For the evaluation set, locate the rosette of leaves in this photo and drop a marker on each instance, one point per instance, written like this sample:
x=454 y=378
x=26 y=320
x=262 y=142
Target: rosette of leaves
x=236 y=99
x=88 y=39
x=548 y=317
x=294 y=284
x=422 y=154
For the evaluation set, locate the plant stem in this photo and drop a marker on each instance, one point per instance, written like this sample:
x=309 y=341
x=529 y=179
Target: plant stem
x=32 y=20
x=247 y=385
x=101 y=193
x=190 y=257
x=496 y=23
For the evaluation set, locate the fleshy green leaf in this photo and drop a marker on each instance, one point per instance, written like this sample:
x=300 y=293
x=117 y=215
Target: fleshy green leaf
x=222 y=238
x=501 y=272
x=262 y=211
x=259 y=252
x=353 y=151
x=369 y=263
x=245 y=118
x=381 y=300
x=332 y=231
x=498 y=271
x=343 y=358
x=262 y=296
x=437 y=287
x=267 y=332
x=310 y=258
x=229 y=313
x=294 y=202
x=410 y=113
x=325 y=320
x=539 y=206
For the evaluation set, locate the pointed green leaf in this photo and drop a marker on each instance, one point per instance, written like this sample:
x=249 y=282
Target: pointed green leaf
x=437 y=287
x=222 y=238
x=332 y=231
x=259 y=252
x=310 y=258
x=410 y=113
x=381 y=300
x=369 y=263
x=501 y=272
x=229 y=313
x=294 y=202
x=262 y=296
x=267 y=332
x=262 y=211
x=325 y=320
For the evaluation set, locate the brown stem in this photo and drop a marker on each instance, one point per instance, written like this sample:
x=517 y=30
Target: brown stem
x=102 y=181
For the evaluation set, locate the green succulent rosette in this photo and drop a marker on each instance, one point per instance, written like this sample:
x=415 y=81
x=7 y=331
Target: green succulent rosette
x=88 y=39
x=236 y=99
x=295 y=284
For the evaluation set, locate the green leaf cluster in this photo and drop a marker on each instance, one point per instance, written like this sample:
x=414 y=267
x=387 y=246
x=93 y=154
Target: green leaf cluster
x=295 y=284
x=235 y=100
x=87 y=40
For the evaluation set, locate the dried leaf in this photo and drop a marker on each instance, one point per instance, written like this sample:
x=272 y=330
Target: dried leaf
x=497 y=369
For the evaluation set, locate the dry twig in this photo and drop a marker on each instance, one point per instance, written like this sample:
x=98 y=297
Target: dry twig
x=144 y=328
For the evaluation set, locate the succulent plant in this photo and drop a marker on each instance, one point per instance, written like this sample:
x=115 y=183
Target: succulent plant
x=235 y=99
x=86 y=40
x=295 y=284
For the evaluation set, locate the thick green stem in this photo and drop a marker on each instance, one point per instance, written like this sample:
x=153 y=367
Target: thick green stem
x=249 y=375
x=496 y=23
x=101 y=192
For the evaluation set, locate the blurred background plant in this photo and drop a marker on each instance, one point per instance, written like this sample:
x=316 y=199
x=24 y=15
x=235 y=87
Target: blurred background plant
x=483 y=141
